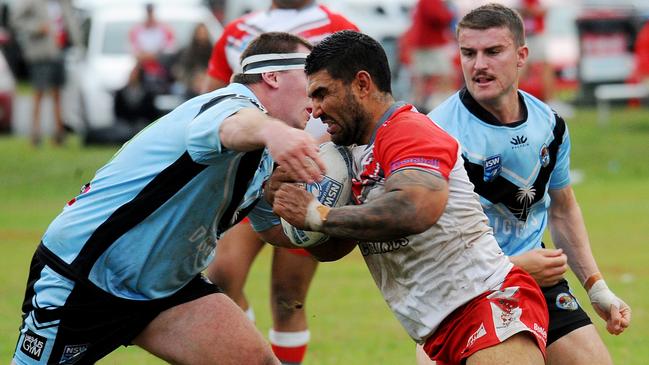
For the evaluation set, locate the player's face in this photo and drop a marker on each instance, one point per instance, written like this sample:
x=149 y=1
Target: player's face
x=491 y=61
x=295 y=105
x=337 y=106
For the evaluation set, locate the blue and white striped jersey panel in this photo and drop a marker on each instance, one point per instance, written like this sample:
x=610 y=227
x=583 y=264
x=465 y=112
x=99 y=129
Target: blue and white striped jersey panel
x=511 y=166
x=149 y=219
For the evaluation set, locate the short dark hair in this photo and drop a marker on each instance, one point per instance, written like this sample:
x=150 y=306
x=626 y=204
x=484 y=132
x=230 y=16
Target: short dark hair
x=345 y=53
x=494 y=16
x=271 y=42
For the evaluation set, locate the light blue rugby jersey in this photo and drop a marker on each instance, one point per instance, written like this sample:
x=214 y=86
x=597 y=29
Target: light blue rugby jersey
x=512 y=166
x=148 y=221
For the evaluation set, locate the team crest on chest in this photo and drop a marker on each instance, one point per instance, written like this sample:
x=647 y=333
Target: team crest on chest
x=492 y=167
x=544 y=156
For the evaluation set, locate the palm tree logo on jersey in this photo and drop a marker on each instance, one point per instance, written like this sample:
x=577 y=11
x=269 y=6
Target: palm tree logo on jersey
x=525 y=197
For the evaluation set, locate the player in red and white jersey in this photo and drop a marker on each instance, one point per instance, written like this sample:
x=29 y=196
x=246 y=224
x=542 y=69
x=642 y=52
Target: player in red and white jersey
x=292 y=270
x=149 y=40
x=301 y=17
x=416 y=220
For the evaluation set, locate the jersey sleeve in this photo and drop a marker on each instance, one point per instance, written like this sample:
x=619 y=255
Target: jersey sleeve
x=202 y=133
x=262 y=216
x=560 y=177
x=415 y=143
x=218 y=67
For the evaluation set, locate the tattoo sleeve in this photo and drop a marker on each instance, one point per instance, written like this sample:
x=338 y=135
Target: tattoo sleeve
x=413 y=201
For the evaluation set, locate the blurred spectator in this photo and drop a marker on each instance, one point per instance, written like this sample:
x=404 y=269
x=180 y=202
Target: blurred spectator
x=45 y=28
x=134 y=104
x=150 y=41
x=10 y=48
x=641 y=73
x=218 y=9
x=538 y=77
x=134 y=107
x=431 y=66
x=191 y=62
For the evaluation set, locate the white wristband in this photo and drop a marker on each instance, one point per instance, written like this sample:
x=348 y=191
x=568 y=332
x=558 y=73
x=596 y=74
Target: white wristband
x=316 y=215
x=600 y=295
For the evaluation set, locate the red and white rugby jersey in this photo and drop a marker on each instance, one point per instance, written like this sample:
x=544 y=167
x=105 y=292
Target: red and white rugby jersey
x=313 y=23
x=425 y=277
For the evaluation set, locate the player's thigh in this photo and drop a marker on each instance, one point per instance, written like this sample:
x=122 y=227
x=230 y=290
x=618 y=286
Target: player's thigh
x=208 y=330
x=422 y=357
x=235 y=253
x=581 y=346
x=292 y=272
x=519 y=349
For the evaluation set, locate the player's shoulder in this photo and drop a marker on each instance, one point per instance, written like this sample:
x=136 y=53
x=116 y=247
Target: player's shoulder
x=537 y=108
x=338 y=20
x=235 y=25
x=535 y=104
x=407 y=120
x=450 y=106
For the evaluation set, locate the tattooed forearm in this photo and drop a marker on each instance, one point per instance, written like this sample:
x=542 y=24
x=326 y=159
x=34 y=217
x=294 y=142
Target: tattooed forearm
x=415 y=177
x=412 y=202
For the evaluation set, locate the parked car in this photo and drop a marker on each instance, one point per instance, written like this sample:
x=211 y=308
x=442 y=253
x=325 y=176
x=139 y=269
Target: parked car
x=102 y=67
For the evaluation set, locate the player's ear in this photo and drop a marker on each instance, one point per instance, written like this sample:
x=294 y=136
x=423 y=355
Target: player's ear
x=522 y=54
x=270 y=78
x=362 y=82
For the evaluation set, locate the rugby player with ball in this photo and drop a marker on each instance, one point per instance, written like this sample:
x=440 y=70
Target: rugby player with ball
x=415 y=217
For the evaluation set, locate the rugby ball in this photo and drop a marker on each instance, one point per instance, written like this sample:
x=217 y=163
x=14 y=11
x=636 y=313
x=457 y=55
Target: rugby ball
x=333 y=190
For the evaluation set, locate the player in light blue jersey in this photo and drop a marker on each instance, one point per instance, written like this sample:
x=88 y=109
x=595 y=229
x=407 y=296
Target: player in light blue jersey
x=516 y=152
x=121 y=264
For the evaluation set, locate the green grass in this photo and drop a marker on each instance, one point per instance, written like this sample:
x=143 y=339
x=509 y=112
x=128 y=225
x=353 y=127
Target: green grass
x=349 y=321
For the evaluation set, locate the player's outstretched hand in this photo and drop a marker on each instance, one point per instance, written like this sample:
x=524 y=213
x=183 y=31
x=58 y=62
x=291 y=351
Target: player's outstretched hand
x=297 y=152
x=546 y=266
x=612 y=309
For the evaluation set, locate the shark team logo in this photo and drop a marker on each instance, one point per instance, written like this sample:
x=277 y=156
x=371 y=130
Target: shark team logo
x=544 y=156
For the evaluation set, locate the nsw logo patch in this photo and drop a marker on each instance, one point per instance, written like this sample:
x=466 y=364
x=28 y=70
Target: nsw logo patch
x=33 y=345
x=328 y=191
x=72 y=353
x=492 y=167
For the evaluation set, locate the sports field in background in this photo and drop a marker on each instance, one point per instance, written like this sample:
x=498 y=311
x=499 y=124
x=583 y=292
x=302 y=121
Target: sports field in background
x=350 y=324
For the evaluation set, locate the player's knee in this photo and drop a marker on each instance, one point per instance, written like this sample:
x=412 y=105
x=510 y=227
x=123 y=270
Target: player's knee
x=287 y=306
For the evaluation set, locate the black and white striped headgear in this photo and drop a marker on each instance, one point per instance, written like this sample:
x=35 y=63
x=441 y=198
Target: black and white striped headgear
x=270 y=62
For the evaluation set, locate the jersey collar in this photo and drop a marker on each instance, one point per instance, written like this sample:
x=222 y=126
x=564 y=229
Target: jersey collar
x=481 y=113
x=384 y=118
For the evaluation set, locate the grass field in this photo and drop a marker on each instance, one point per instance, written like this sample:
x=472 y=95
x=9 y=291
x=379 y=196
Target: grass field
x=349 y=321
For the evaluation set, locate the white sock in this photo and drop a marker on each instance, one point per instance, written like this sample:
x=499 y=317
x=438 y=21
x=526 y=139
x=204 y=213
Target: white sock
x=250 y=313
